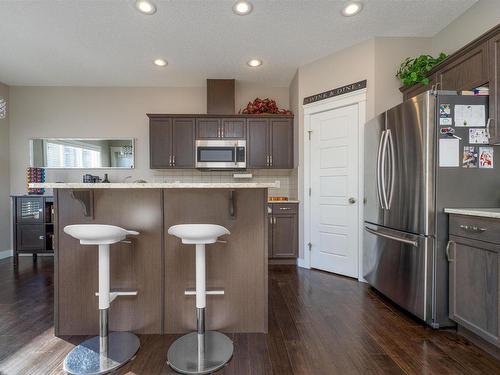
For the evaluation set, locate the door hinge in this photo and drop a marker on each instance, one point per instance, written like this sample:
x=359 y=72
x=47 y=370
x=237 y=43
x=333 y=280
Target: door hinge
x=309 y=191
x=309 y=245
x=309 y=132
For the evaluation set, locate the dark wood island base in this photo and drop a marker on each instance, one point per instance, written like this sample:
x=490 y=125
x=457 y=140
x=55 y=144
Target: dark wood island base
x=157 y=265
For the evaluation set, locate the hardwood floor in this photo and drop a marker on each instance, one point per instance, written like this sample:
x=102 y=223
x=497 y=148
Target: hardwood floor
x=318 y=324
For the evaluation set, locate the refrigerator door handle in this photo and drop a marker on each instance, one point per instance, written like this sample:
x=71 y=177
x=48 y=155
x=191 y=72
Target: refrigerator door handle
x=382 y=170
x=391 y=237
x=379 y=183
x=393 y=168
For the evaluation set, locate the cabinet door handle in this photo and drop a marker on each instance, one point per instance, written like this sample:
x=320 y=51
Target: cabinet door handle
x=271 y=220
x=274 y=220
x=222 y=131
x=218 y=132
x=173 y=161
x=285 y=208
x=170 y=161
x=270 y=160
x=473 y=228
x=40 y=237
x=448 y=245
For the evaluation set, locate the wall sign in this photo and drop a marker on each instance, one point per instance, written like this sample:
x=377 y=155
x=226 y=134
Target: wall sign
x=3 y=108
x=335 y=92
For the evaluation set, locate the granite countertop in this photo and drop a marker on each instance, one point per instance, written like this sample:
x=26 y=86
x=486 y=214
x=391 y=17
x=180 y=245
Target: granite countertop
x=481 y=212
x=157 y=185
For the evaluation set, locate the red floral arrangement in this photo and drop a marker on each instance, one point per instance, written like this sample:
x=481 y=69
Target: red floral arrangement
x=264 y=106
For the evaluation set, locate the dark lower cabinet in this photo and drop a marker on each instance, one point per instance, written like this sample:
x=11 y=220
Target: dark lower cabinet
x=283 y=230
x=33 y=225
x=474 y=283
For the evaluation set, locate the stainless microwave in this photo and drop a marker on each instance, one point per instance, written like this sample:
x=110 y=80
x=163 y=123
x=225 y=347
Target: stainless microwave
x=221 y=154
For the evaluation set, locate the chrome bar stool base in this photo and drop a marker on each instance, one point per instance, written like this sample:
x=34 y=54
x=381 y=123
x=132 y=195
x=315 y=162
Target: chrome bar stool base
x=87 y=359
x=216 y=350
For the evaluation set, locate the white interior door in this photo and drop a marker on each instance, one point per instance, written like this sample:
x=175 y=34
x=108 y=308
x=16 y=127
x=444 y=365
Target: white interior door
x=334 y=190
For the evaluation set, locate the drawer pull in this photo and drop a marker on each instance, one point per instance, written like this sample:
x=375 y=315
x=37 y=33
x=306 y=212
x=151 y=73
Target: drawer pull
x=285 y=208
x=472 y=228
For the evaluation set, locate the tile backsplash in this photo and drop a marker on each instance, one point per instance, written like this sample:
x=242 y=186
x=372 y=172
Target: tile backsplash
x=287 y=178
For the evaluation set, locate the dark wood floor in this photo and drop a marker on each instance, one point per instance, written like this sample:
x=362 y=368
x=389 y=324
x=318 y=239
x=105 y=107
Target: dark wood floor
x=318 y=324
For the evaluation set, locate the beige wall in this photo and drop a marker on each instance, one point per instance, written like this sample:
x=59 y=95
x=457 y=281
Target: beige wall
x=478 y=19
x=5 y=243
x=389 y=53
x=375 y=60
x=103 y=112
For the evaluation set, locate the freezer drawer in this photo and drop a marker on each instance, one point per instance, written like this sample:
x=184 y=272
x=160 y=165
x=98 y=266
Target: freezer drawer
x=394 y=263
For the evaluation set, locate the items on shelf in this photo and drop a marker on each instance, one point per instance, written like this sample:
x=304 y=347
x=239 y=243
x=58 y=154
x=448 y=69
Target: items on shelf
x=35 y=175
x=267 y=105
x=89 y=179
x=478 y=91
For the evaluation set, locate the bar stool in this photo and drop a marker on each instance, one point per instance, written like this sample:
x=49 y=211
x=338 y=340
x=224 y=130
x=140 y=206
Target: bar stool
x=103 y=353
x=199 y=352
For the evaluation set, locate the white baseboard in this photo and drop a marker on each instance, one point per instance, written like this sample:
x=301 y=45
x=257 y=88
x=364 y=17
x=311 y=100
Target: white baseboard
x=6 y=253
x=301 y=262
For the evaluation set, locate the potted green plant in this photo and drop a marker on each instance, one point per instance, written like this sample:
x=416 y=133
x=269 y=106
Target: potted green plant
x=415 y=70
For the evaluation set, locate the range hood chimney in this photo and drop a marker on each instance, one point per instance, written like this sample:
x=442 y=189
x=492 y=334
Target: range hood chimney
x=220 y=96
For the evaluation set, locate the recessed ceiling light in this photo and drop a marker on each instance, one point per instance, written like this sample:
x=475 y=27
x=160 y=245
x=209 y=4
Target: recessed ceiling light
x=352 y=8
x=242 y=7
x=160 y=62
x=145 y=6
x=254 y=63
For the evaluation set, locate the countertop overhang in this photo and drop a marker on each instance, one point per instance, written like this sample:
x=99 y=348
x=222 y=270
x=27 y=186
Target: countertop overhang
x=480 y=212
x=156 y=185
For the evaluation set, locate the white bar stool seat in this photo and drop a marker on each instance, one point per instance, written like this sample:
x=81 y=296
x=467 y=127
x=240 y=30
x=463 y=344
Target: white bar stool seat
x=200 y=352
x=104 y=353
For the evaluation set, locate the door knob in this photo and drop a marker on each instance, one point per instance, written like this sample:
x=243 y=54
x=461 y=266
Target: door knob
x=352 y=200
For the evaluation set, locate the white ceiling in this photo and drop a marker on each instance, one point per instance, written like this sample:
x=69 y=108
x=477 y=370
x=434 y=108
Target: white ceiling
x=109 y=43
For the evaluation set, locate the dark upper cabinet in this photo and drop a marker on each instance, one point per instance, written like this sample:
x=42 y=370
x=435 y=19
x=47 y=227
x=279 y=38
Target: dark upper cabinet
x=281 y=143
x=172 y=138
x=208 y=128
x=183 y=143
x=494 y=65
x=171 y=143
x=225 y=128
x=270 y=143
x=160 y=143
x=258 y=143
x=233 y=128
x=466 y=72
x=283 y=230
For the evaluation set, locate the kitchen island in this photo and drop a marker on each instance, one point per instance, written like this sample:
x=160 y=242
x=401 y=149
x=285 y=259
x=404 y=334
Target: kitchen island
x=158 y=266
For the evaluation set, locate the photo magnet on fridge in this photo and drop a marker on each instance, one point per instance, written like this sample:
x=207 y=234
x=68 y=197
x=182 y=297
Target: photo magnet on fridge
x=445 y=121
x=470 y=157
x=486 y=157
x=444 y=110
x=478 y=136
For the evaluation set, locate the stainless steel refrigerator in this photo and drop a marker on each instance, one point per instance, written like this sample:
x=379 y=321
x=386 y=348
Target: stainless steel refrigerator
x=406 y=191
